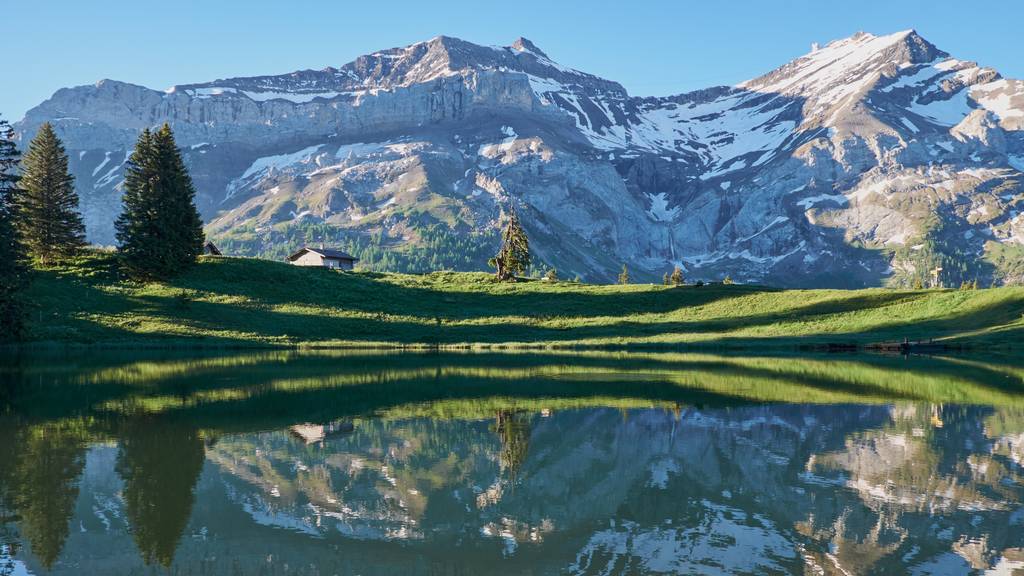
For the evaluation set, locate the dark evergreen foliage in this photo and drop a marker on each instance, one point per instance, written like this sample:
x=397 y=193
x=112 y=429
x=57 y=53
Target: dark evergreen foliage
x=514 y=256
x=160 y=233
x=13 y=269
x=49 y=223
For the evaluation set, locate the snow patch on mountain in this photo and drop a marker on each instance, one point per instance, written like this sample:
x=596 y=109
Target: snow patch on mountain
x=947 y=112
x=269 y=164
x=495 y=150
x=659 y=208
x=1004 y=98
x=727 y=541
x=298 y=98
x=810 y=201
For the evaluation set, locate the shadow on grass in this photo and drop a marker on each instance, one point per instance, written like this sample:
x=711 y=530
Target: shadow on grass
x=259 y=322
x=216 y=305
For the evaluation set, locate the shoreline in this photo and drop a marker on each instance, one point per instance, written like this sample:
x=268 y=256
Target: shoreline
x=917 y=347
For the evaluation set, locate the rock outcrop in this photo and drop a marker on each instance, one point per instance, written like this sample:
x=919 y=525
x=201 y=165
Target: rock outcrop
x=871 y=160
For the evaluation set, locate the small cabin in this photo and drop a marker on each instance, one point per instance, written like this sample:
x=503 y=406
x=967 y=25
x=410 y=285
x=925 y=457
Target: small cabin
x=210 y=249
x=323 y=258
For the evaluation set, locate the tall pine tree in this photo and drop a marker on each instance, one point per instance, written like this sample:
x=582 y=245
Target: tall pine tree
x=13 y=270
x=49 y=223
x=160 y=231
x=624 y=275
x=514 y=256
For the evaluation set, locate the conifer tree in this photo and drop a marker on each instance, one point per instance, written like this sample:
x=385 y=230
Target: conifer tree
x=624 y=275
x=49 y=223
x=514 y=256
x=677 y=276
x=665 y=280
x=13 y=270
x=160 y=231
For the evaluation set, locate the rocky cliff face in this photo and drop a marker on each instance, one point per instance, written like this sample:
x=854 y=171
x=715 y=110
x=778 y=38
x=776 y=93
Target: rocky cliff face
x=874 y=159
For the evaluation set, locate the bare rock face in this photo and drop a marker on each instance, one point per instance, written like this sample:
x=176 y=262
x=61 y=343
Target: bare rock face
x=871 y=160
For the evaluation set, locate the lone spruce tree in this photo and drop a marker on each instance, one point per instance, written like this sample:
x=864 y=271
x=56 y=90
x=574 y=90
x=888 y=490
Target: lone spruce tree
x=49 y=223
x=677 y=276
x=13 y=268
x=160 y=233
x=514 y=256
x=624 y=275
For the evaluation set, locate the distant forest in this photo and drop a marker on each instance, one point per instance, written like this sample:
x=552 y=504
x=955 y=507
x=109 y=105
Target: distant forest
x=436 y=247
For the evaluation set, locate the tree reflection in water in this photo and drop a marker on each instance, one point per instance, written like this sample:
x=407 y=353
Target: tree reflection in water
x=42 y=464
x=513 y=428
x=491 y=464
x=159 y=463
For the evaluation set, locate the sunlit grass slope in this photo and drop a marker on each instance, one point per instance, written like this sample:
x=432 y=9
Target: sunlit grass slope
x=240 y=302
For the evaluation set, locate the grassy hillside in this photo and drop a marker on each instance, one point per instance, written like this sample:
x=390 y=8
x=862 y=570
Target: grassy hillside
x=233 y=301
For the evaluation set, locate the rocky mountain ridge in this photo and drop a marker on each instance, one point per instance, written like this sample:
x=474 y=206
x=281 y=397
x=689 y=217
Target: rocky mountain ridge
x=871 y=160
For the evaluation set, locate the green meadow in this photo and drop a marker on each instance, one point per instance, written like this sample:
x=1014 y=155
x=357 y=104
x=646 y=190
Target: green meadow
x=238 y=302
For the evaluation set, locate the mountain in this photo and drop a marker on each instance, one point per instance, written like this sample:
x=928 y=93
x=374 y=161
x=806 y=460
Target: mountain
x=871 y=160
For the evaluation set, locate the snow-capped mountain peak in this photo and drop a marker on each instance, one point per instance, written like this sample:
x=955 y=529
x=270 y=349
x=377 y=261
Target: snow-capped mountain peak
x=840 y=73
x=438 y=58
x=851 y=59
x=523 y=45
x=828 y=170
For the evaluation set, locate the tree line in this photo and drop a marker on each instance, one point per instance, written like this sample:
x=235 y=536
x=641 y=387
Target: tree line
x=436 y=246
x=159 y=231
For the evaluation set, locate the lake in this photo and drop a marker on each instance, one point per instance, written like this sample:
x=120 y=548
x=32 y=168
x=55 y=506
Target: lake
x=316 y=463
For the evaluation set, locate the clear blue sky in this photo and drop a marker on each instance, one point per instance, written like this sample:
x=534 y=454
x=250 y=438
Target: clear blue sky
x=652 y=47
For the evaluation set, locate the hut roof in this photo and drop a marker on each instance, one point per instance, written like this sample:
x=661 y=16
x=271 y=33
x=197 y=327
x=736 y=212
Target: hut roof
x=326 y=253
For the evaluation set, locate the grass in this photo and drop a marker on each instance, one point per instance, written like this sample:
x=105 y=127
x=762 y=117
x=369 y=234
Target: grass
x=247 y=302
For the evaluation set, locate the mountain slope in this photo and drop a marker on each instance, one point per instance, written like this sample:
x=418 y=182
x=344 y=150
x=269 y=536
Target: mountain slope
x=874 y=159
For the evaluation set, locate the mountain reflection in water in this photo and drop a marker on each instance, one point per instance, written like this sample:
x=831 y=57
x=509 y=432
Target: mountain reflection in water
x=590 y=463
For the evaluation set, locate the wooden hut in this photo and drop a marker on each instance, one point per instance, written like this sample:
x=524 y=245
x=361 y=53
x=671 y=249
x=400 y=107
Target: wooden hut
x=323 y=258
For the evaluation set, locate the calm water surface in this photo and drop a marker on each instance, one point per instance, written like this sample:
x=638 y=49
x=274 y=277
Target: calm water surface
x=591 y=463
